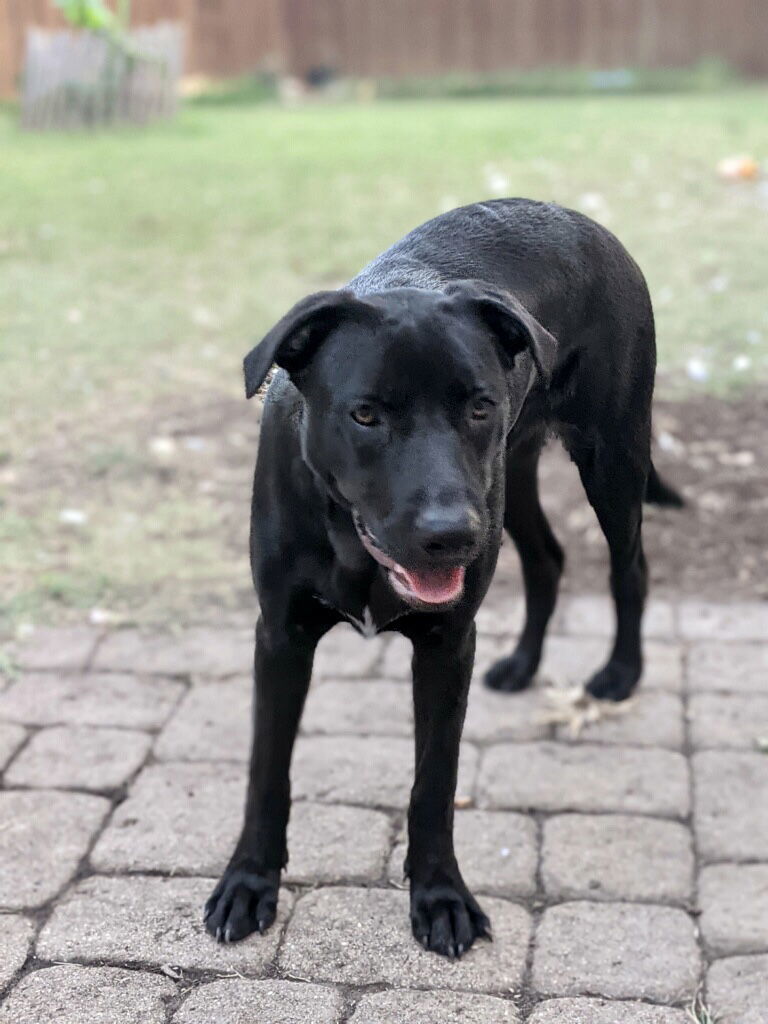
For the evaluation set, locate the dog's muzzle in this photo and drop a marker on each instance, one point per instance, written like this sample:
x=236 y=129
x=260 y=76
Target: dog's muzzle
x=424 y=588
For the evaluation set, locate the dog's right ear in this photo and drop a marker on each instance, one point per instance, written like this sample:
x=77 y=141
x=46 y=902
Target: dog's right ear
x=293 y=340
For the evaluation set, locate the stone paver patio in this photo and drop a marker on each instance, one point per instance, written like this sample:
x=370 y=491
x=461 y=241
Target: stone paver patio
x=625 y=870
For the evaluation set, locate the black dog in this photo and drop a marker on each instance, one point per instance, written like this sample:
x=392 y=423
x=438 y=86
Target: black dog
x=402 y=437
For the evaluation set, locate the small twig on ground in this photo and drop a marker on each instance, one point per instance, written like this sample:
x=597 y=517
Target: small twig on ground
x=575 y=708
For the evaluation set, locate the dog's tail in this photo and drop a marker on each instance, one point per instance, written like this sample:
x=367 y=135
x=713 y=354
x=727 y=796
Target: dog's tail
x=657 y=492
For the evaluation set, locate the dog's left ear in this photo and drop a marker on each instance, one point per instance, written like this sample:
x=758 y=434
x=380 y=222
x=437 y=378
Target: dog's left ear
x=294 y=339
x=513 y=326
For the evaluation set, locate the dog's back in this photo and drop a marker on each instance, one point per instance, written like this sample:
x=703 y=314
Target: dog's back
x=573 y=275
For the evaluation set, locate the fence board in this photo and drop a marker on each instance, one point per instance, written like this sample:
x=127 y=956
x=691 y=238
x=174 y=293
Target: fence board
x=421 y=37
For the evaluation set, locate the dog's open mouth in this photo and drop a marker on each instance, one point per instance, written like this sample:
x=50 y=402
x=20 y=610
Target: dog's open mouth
x=432 y=587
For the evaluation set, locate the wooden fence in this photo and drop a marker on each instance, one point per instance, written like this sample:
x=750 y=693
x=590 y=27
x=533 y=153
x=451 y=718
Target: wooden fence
x=223 y=37
x=81 y=79
x=423 y=37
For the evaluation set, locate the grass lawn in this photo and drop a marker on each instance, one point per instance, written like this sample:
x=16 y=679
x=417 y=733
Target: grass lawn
x=136 y=267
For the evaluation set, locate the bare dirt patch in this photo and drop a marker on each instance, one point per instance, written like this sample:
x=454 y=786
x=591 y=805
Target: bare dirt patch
x=166 y=505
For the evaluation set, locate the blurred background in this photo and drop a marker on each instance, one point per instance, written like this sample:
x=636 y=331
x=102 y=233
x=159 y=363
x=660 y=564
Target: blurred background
x=174 y=174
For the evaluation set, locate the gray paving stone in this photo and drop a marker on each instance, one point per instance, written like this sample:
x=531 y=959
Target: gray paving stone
x=67 y=648
x=363 y=937
x=93 y=699
x=601 y=1011
x=619 y=950
x=737 y=989
x=344 y=653
x=652 y=719
x=212 y=723
x=83 y=758
x=11 y=738
x=332 y=843
x=571 y=661
x=496 y=851
x=735 y=720
x=728 y=667
x=72 y=994
x=151 y=921
x=734 y=908
x=15 y=940
x=586 y=777
x=396 y=663
x=374 y=770
x=373 y=708
x=488 y=650
x=616 y=857
x=729 y=788
x=503 y=614
x=43 y=836
x=178 y=817
x=700 y=620
x=197 y=651
x=593 y=615
x=273 y=1002
x=492 y=716
x=186 y=818
x=432 y=1007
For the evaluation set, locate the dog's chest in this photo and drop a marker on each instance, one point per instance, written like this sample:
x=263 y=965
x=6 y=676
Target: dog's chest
x=368 y=603
x=365 y=626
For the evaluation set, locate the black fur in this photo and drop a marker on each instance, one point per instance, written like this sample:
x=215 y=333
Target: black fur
x=414 y=403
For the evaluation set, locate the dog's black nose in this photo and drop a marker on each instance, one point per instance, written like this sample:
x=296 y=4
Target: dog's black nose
x=447 y=531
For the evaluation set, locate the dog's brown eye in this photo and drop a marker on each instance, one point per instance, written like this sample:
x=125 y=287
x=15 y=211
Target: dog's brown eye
x=365 y=416
x=480 y=409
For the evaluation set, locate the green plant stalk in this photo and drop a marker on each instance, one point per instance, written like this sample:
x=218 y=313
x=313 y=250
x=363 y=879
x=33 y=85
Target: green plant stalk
x=124 y=14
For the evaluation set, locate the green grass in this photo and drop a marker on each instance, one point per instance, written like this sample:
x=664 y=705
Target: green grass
x=706 y=76
x=137 y=266
x=699 y=1012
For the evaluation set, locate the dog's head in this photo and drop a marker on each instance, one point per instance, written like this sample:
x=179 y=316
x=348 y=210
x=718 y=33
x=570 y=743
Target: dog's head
x=408 y=397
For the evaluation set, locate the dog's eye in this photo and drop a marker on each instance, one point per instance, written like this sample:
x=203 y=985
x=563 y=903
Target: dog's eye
x=480 y=409
x=365 y=415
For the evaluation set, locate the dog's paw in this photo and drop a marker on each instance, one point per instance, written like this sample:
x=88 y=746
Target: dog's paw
x=244 y=901
x=614 y=682
x=447 y=919
x=512 y=674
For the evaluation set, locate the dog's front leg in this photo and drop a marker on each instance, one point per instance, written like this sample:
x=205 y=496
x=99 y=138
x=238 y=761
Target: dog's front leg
x=246 y=897
x=445 y=917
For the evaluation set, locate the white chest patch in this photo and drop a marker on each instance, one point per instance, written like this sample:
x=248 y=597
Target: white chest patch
x=365 y=625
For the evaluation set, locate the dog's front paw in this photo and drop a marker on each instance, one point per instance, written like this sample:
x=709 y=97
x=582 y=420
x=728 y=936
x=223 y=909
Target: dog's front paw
x=244 y=901
x=614 y=682
x=512 y=674
x=447 y=918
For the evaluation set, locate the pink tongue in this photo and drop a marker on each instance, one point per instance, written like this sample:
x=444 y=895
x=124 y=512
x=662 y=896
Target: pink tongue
x=436 y=586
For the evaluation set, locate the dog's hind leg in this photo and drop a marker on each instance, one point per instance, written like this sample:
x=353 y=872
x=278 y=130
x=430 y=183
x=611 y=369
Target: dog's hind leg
x=542 y=562
x=615 y=482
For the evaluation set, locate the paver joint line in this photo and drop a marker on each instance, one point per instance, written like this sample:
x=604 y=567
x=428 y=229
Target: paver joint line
x=586 y=851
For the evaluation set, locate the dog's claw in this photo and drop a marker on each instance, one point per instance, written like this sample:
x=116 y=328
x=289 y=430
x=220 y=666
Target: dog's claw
x=446 y=918
x=244 y=901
